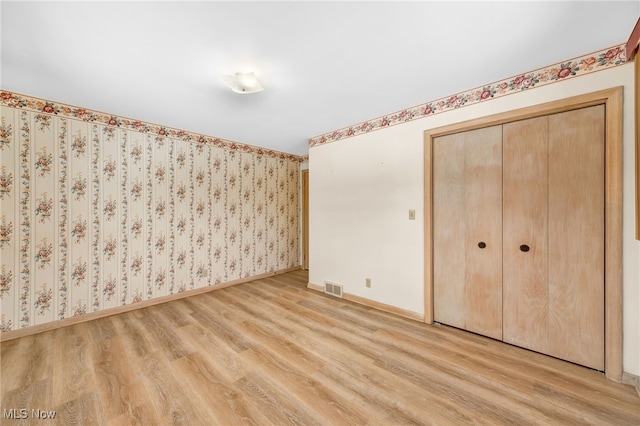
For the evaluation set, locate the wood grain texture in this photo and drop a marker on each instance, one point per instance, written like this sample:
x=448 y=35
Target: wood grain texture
x=374 y=304
x=449 y=228
x=576 y=236
x=274 y=352
x=483 y=218
x=428 y=228
x=14 y=334
x=612 y=99
x=525 y=212
x=467 y=206
x=613 y=235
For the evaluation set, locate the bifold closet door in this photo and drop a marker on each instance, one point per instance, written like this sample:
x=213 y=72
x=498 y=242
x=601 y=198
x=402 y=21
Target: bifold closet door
x=525 y=239
x=467 y=230
x=576 y=236
x=553 y=250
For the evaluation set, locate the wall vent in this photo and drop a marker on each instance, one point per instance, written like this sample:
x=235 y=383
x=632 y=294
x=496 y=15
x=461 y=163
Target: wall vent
x=333 y=289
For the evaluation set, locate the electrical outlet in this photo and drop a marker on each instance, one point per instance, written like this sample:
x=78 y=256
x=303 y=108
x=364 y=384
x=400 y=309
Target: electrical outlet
x=367 y=282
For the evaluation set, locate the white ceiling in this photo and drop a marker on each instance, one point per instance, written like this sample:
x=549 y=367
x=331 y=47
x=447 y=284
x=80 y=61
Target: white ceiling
x=324 y=65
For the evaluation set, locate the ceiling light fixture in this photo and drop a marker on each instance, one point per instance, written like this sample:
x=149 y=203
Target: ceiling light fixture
x=244 y=83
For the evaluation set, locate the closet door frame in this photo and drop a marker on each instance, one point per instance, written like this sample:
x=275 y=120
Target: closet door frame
x=612 y=99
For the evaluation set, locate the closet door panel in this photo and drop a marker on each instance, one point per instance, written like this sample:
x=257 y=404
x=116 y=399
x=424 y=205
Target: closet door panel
x=449 y=229
x=576 y=236
x=483 y=216
x=525 y=254
x=467 y=198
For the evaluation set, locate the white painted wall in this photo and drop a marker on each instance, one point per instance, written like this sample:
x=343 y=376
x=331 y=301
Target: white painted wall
x=362 y=188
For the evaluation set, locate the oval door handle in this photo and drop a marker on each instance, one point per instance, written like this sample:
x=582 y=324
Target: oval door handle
x=482 y=244
x=524 y=248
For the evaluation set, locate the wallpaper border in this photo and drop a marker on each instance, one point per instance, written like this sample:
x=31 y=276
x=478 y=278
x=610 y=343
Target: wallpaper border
x=19 y=101
x=576 y=67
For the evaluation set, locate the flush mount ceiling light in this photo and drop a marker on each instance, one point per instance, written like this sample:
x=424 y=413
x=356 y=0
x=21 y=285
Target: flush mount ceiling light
x=244 y=83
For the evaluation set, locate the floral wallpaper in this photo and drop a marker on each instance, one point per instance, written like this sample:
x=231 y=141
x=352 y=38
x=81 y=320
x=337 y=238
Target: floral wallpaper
x=99 y=211
x=573 y=68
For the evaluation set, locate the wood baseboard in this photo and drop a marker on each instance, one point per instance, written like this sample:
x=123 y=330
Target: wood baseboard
x=631 y=379
x=315 y=287
x=373 y=304
x=40 y=328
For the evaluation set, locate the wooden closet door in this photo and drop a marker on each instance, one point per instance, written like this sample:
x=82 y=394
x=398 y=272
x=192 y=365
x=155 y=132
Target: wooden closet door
x=525 y=251
x=467 y=230
x=576 y=236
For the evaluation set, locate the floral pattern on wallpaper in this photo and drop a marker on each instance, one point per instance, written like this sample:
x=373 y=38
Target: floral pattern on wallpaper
x=54 y=109
x=576 y=67
x=95 y=216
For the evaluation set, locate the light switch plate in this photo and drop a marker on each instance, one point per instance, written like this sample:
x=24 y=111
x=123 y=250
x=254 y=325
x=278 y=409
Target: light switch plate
x=412 y=215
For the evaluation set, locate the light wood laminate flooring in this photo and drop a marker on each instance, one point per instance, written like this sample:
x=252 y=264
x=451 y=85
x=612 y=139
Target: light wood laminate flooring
x=273 y=352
